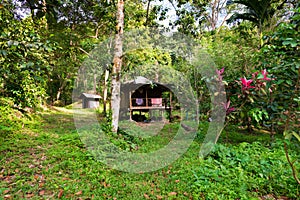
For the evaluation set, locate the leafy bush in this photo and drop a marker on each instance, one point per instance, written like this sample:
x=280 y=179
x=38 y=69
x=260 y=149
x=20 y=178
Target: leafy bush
x=23 y=60
x=245 y=171
x=280 y=55
x=10 y=118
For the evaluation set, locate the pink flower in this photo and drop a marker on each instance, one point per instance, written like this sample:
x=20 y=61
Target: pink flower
x=265 y=73
x=254 y=75
x=228 y=108
x=219 y=73
x=246 y=84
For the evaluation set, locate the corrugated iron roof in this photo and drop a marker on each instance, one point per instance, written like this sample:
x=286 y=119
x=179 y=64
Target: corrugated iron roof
x=90 y=96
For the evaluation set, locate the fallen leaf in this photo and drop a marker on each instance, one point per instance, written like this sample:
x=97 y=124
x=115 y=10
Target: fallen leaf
x=159 y=197
x=283 y=198
x=104 y=184
x=6 y=191
x=172 y=193
x=31 y=166
x=60 y=193
x=177 y=181
x=7 y=196
x=42 y=192
x=29 y=195
x=146 y=196
x=79 y=193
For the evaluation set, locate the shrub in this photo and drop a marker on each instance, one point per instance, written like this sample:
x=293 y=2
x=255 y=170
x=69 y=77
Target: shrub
x=10 y=118
x=245 y=171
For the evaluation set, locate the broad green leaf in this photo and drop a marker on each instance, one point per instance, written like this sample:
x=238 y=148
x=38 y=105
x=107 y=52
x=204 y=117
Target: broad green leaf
x=296 y=135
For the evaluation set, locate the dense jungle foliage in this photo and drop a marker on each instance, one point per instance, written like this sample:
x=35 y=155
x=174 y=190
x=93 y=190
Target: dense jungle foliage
x=254 y=46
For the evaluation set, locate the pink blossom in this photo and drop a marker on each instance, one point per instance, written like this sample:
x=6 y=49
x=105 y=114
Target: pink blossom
x=228 y=108
x=254 y=75
x=265 y=73
x=219 y=73
x=246 y=84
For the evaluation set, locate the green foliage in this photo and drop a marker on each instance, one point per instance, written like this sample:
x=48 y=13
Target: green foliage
x=244 y=171
x=232 y=49
x=147 y=56
x=47 y=159
x=23 y=59
x=10 y=118
x=260 y=12
x=290 y=134
x=258 y=114
x=280 y=55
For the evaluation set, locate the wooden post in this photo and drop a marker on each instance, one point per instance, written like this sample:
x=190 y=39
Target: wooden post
x=170 y=109
x=130 y=106
x=146 y=98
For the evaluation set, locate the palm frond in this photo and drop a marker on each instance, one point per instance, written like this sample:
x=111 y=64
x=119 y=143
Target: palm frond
x=243 y=16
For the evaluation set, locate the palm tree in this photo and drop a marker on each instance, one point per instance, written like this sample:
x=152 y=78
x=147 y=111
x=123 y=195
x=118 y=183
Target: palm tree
x=259 y=12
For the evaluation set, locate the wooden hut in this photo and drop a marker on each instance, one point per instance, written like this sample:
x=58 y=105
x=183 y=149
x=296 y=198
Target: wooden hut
x=90 y=100
x=143 y=96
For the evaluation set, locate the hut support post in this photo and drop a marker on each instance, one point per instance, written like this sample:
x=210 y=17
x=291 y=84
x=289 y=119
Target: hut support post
x=170 y=108
x=130 y=106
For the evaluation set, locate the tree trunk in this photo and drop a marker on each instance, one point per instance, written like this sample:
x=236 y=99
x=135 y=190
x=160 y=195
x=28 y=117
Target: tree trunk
x=105 y=92
x=117 y=63
x=95 y=83
x=148 y=11
x=62 y=86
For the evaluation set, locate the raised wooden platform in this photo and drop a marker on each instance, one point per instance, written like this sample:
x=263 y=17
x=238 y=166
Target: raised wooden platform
x=150 y=108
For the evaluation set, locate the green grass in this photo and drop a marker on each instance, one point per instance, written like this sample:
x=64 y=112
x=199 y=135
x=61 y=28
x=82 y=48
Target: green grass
x=47 y=160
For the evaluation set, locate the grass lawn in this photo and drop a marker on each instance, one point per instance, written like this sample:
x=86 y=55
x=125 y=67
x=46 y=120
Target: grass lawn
x=47 y=160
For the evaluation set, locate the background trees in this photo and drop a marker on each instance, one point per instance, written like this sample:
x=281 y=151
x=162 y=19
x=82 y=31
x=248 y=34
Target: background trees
x=264 y=14
x=24 y=59
x=42 y=50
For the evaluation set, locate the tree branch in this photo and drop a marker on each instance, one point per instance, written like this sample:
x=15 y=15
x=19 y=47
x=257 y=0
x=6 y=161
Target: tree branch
x=83 y=51
x=291 y=164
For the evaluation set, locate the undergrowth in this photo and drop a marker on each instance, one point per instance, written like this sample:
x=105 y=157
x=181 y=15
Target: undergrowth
x=46 y=159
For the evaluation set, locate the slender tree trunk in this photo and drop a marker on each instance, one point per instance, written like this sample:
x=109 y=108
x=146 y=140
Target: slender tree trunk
x=105 y=86
x=148 y=10
x=117 y=63
x=105 y=91
x=95 y=83
x=62 y=86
